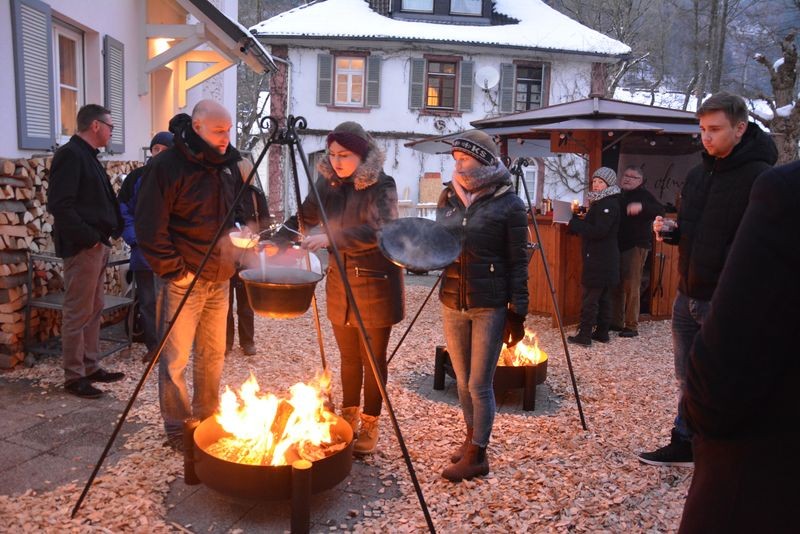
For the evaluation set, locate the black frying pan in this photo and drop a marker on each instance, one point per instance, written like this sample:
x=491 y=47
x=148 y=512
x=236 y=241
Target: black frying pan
x=418 y=244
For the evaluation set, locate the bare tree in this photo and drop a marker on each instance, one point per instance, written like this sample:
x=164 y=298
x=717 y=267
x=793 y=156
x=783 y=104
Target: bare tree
x=785 y=121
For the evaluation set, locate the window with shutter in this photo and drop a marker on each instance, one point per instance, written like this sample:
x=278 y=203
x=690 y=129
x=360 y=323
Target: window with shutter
x=68 y=53
x=31 y=24
x=506 y=88
x=114 y=82
x=416 y=88
x=373 y=81
x=465 y=86
x=324 y=79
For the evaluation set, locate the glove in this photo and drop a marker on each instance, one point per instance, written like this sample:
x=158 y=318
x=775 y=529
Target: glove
x=514 y=329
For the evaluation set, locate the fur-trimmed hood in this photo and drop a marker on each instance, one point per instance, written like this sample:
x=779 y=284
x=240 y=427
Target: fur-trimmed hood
x=365 y=175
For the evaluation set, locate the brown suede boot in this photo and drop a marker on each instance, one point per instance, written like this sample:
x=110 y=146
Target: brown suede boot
x=459 y=452
x=474 y=463
x=350 y=414
x=367 y=434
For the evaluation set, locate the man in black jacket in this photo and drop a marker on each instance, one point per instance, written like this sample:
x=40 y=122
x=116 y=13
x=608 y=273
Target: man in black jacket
x=86 y=215
x=713 y=200
x=639 y=208
x=183 y=200
x=741 y=388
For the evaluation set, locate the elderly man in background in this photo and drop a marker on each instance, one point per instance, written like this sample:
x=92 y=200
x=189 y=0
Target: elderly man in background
x=86 y=216
x=635 y=238
x=184 y=198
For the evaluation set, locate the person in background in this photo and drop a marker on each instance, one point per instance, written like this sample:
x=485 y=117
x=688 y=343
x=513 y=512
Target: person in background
x=184 y=198
x=86 y=216
x=598 y=231
x=484 y=292
x=255 y=214
x=712 y=202
x=358 y=198
x=639 y=208
x=742 y=373
x=142 y=273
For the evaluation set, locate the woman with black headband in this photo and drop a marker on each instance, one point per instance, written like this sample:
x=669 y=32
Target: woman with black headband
x=484 y=291
x=358 y=199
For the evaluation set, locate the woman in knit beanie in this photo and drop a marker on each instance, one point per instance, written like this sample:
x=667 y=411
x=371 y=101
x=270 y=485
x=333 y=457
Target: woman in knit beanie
x=484 y=293
x=358 y=198
x=600 y=250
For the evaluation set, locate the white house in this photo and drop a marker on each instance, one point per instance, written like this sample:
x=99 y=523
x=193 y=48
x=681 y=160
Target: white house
x=143 y=59
x=407 y=69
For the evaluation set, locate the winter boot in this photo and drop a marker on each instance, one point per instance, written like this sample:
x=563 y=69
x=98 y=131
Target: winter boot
x=350 y=414
x=367 y=435
x=583 y=337
x=601 y=335
x=459 y=452
x=474 y=463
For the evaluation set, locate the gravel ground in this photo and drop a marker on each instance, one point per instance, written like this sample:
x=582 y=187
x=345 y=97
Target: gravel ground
x=548 y=474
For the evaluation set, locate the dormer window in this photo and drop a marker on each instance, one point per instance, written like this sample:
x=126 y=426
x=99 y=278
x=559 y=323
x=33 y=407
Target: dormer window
x=466 y=7
x=419 y=6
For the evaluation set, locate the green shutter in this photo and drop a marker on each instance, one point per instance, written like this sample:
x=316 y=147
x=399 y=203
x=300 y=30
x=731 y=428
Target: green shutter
x=373 y=81
x=114 y=84
x=32 y=29
x=324 y=79
x=416 y=87
x=465 y=86
x=506 y=88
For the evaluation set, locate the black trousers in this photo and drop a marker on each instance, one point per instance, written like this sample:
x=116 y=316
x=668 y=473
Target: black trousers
x=356 y=369
x=146 y=296
x=244 y=314
x=595 y=309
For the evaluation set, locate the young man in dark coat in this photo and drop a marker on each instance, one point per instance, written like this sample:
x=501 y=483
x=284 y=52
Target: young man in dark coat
x=639 y=208
x=184 y=198
x=741 y=389
x=142 y=273
x=598 y=231
x=712 y=203
x=86 y=216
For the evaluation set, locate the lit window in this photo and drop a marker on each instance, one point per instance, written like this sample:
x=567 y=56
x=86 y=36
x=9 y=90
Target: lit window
x=466 y=7
x=349 y=81
x=418 y=5
x=68 y=57
x=441 y=89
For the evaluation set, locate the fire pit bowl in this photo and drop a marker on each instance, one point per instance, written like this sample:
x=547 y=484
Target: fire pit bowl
x=279 y=292
x=265 y=482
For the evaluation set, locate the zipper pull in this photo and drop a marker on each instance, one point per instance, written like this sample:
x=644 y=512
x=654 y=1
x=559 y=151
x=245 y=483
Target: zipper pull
x=491 y=267
x=464 y=221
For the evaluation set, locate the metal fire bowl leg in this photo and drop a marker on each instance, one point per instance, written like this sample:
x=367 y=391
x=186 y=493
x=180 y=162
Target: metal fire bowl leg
x=265 y=482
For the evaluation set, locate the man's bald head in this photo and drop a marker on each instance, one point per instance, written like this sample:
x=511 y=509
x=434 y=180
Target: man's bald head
x=212 y=122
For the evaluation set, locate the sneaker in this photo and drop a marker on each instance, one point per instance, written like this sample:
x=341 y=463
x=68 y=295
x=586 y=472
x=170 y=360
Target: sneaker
x=83 y=388
x=600 y=336
x=676 y=454
x=628 y=332
x=101 y=375
x=249 y=349
x=578 y=339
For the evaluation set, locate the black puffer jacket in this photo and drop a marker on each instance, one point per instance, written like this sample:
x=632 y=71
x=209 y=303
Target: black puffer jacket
x=183 y=200
x=598 y=231
x=492 y=269
x=712 y=203
x=356 y=208
x=80 y=197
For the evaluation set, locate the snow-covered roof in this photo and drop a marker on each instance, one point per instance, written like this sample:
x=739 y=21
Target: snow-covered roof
x=539 y=27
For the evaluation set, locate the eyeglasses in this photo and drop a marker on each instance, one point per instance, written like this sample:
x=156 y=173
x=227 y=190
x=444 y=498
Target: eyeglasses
x=110 y=126
x=632 y=176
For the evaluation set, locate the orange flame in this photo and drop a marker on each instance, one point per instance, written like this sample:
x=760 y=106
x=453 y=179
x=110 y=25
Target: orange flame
x=523 y=353
x=268 y=430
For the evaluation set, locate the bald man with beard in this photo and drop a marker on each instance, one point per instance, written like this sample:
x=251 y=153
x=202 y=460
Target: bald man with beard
x=188 y=191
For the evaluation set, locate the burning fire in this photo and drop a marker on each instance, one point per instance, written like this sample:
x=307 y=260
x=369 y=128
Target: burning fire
x=268 y=430
x=523 y=353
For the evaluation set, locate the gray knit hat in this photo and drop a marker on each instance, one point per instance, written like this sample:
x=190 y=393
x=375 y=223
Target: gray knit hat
x=606 y=174
x=477 y=144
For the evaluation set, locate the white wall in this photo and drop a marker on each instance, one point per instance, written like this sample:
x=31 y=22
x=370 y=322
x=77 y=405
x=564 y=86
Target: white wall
x=569 y=81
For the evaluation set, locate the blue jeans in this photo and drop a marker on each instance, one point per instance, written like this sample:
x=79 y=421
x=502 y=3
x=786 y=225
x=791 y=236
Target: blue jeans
x=687 y=318
x=474 y=339
x=201 y=323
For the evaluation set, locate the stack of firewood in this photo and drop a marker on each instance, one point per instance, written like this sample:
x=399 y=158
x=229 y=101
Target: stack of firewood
x=26 y=226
